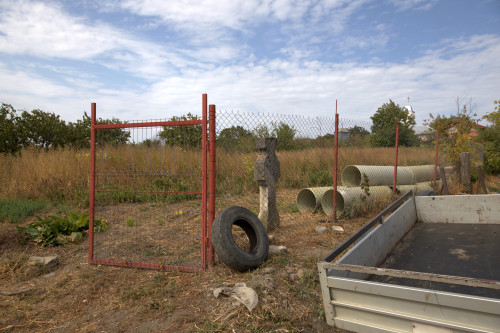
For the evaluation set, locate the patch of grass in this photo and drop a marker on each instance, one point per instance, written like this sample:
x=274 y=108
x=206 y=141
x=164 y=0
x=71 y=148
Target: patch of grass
x=289 y=207
x=278 y=260
x=130 y=222
x=492 y=188
x=210 y=327
x=16 y=211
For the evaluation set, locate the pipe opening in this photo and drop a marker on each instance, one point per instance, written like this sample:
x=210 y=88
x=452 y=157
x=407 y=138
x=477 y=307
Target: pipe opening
x=351 y=176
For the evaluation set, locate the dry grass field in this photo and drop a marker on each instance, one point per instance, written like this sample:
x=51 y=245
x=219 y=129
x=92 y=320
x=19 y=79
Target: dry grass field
x=80 y=297
x=63 y=175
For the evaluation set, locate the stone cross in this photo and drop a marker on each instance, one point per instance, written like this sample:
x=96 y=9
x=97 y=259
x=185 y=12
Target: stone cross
x=266 y=173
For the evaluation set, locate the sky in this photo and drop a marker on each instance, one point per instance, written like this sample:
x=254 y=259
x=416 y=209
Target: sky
x=150 y=59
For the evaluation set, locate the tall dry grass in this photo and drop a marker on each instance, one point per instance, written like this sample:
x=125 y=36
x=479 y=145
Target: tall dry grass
x=63 y=175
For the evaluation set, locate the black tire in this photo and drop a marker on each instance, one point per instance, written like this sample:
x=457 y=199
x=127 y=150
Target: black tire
x=425 y=193
x=226 y=248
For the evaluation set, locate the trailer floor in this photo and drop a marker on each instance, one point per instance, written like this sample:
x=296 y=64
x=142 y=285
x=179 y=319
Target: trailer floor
x=466 y=250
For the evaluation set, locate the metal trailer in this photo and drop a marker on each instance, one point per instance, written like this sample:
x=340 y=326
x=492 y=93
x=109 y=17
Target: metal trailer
x=431 y=265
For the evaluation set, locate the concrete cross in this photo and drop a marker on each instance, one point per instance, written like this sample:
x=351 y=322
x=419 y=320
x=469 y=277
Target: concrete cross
x=267 y=173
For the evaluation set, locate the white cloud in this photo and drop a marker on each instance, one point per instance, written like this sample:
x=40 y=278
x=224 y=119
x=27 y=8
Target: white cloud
x=283 y=86
x=44 y=30
x=402 y=5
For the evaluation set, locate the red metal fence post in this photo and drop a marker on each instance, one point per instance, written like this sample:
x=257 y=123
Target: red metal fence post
x=211 y=179
x=204 y=149
x=396 y=157
x=92 y=181
x=436 y=159
x=335 y=163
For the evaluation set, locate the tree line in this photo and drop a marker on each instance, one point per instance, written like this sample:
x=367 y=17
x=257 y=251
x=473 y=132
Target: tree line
x=45 y=130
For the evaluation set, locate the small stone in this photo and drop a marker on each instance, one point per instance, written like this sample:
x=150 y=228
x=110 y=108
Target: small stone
x=268 y=270
x=75 y=237
x=320 y=230
x=289 y=269
x=277 y=249
x=271 y=238
x=44 y=263
x=300 y=273
x=337 y=228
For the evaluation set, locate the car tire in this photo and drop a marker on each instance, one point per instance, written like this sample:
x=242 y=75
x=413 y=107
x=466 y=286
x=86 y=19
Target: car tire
x=225 y=246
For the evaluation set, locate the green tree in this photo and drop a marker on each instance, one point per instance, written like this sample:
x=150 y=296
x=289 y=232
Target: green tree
x=78 y=134
x=184 y=136
x=358 y=131
x=12 y=137
x=491 y=139
x=286 y=136
x=44 y=129
x=455 y=133
x=384 y=127
x=236 y=138
x=282 y=131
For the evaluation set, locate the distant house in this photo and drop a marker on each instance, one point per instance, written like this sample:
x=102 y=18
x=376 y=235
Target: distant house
x=344 y=134
x=475 y=128
x=424 y=133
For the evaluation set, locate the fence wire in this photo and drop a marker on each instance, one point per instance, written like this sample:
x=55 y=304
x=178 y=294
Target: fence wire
x=305 y=150
x=148 y=194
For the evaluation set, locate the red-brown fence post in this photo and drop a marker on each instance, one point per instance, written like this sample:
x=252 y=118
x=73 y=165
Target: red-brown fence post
x=335 y=163
x=204 y=148
x=92 y=181
x=211 y=179
x=436 y=159
x=396 y=157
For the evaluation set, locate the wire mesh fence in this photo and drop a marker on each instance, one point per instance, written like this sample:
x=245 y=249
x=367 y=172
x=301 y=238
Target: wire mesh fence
x=306 y=150
x=148 y=200
x=151 y=189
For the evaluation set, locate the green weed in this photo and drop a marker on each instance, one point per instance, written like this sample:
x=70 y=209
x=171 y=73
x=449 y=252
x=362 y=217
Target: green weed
x=16 y=211
x=56 y=230
x=130 y=222
x=289 y=207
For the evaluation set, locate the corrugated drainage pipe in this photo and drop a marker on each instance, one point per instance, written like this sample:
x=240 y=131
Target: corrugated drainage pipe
x=309 y=199
x=348 y=196
x=423 y=173
x=353 y=175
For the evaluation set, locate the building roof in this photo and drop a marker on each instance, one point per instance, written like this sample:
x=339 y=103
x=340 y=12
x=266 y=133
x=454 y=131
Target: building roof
x=422 y=129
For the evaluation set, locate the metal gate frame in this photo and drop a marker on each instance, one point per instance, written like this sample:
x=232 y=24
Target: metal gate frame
x=208 y=174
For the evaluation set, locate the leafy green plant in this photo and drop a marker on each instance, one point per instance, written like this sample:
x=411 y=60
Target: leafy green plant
x=56 y=230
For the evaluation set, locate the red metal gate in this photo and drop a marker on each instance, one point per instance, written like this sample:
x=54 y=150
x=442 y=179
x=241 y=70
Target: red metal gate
x=152 y=192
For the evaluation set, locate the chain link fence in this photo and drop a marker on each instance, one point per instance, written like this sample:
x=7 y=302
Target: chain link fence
x=306 y=154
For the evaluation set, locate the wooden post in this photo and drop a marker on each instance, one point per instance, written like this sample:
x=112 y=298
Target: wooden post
x=481 y=184
x=444 y=184
x=465 y=172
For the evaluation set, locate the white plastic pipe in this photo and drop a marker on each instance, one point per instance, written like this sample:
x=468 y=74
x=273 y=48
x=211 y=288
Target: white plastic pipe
x=348 y=196
x=309 y=199
x=356 y=175
x=423 y=173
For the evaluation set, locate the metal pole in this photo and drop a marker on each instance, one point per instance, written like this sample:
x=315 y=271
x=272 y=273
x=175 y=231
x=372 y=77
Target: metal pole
x=92 y=181
x=335 y=163
x=211 y=179
x=436 y=159
x=204 y=151
x=396 y=157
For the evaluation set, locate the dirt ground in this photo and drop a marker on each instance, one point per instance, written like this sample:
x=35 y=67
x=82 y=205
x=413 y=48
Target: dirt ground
x=80 y=297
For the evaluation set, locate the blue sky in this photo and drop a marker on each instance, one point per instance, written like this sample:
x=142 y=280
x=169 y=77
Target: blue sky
x=148 y=59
